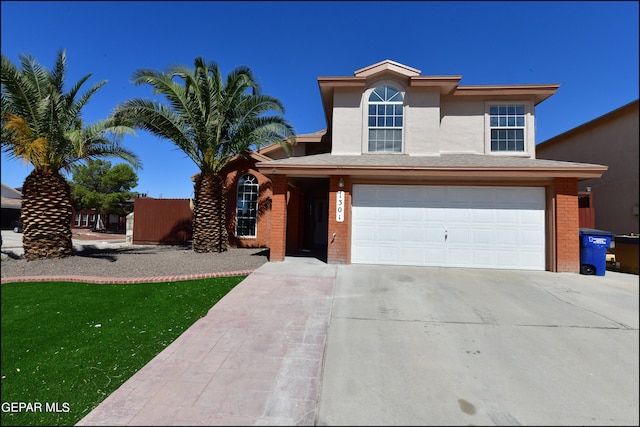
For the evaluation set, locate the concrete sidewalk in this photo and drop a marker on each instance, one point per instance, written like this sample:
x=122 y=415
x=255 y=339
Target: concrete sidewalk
x=254 y=359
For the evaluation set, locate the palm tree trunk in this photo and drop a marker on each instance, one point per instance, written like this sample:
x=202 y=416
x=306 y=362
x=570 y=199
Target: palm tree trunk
x=209 y=217
x=46 y=216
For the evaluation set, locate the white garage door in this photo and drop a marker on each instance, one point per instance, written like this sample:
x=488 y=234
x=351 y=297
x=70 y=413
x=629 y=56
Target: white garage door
x=452 y=226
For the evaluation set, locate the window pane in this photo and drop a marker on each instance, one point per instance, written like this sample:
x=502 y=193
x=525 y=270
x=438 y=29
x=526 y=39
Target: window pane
x=502 y=110
x=511 y=121
x=511 y=110
x=398 y=109
x=247 y=206
x=398 y=122
x=375 y=95
x=520 y=109
x=502 y=121
x=372 y=121
x=519 y=121
x=381 y=110
x=493 y=110
x=372 y=109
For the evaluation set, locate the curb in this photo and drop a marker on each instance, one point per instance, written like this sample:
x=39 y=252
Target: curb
x=123 y=280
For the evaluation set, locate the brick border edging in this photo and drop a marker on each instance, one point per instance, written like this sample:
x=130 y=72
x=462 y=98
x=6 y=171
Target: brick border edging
x=124 y=280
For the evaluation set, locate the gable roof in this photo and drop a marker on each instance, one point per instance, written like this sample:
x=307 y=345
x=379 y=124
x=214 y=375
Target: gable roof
x=387 y=65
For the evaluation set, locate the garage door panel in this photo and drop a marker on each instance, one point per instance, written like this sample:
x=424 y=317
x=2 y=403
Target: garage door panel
x=483 y=216
x=533 y=238
x=388 y=214
x=364 y=254
x=490 y=227
x=434 y=235
x=412 y=213
x=458 y=235
x=480 y=236
x=414 y=234
x=411 y=255
x=389 y=253
x=389 y=233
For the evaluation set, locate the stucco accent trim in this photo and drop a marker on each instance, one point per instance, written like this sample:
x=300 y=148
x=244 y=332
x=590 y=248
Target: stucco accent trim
x=387 y=65
x=447 y=84
x=539 y=91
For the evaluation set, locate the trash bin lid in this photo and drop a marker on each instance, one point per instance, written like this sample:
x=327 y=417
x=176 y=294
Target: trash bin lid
x=594 y=232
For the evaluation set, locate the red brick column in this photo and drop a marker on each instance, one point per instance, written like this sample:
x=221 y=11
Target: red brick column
x=567 y=225
x=278 y=233
x=339 y=250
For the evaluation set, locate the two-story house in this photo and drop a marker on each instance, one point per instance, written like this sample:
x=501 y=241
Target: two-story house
x=420 y=170
x=413 y=170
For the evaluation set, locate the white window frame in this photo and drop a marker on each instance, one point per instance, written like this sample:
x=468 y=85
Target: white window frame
x=528 y=128
x=77 y=220
x=241 y=191
x=384 y=127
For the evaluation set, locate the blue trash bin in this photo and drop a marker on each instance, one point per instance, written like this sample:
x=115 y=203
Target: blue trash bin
x=593 y=251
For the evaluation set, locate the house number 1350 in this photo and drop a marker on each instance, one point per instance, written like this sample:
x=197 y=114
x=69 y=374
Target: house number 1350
x=340 y=206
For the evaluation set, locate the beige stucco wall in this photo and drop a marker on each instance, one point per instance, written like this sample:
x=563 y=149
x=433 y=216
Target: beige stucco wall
x=422 y=122
x=433 y=124
x=462 y=125
x=610 y=141
x=347 y=121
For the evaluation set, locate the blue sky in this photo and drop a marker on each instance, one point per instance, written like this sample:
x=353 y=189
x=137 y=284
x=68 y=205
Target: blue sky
x=589 y=48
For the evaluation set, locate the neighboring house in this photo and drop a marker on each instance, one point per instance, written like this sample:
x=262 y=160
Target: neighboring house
x=419 y=170
x=612 y=140
x=11 y=206
x=83 y=218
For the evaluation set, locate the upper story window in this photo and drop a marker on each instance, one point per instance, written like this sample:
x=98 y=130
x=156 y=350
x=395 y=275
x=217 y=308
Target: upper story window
x=247 y=206
x=385 y=120
x=507 y=124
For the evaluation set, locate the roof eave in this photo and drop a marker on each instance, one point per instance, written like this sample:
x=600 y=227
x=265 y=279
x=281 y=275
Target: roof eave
x=445 y=172
x=539 y=91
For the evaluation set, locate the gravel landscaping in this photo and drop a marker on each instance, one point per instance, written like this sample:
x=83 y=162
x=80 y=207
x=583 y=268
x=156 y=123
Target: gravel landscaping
x=135 y=261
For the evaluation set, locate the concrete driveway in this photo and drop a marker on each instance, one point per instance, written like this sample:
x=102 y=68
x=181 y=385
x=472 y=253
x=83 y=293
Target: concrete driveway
x=445 y=346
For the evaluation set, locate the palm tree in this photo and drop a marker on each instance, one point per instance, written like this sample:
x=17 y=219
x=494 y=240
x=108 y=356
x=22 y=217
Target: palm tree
x=212 y=122
x=42 y=125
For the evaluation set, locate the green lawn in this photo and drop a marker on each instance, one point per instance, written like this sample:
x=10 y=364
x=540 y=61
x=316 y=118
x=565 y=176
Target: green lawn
x=67 y=346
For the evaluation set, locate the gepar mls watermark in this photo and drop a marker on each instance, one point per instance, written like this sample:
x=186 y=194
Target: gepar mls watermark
x=17 y=407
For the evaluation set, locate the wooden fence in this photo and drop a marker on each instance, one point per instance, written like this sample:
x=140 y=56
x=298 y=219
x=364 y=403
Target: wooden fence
x=586 y=213
x=161 y=221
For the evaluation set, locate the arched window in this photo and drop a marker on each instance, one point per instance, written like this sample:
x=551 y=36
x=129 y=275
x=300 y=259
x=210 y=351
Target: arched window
x=385 y=120
x=247 y=206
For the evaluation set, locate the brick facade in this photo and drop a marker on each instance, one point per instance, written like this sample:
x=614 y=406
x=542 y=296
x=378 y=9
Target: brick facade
x=235 y=172
x=567 y=225
x=339 y=248
x=278 y=233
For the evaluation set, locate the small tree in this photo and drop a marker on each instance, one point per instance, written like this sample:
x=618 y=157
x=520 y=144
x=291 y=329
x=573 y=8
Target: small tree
x=212 y=120
x=98 y=185
x=42 y=125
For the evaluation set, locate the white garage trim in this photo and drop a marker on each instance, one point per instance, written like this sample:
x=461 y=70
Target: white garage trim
x=451 y=226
